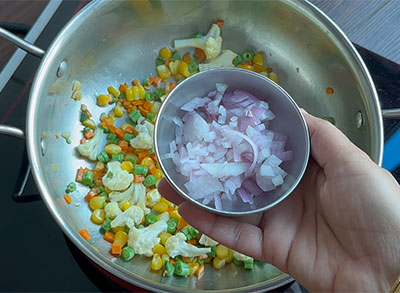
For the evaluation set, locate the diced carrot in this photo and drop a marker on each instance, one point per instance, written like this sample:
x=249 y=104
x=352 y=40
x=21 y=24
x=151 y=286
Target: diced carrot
x=92 y=193
x=110 y=99
x=120 y=101
x=199 y=271
x=116 y=248
x=168 y=61
x=171 y=209
x=151 y=80
x=126 y=104
x=143 y=221
x=111 y=127
x=192 y=241
x=138 y=178
x=200 y=54
x=136 y=82
x=85 y=234
x=181 y=223
x=88 y=170
x=247 y=63
x=329 y=90
x=123 y=87
x=157 y=81
x=131 y=108
x=203 y=256
x=147 y=189
x=138 y=102
x=99 y=182
x=172 y=261
x=186 y=58
x=67 y=199
x=123 y=144
x=153 y=156
x=153 y=170
x=141 y=156
x=143 y=111
x=97 y=174
x=79 y=175
x=89 y=134
x=129 y=129
x=88 y=113
x=131 y=149
x=186 y=259
x=220 y=23
x=171 y=86
x=109 y=237
x=83 y=141
x=120 y=133
x=148 y=105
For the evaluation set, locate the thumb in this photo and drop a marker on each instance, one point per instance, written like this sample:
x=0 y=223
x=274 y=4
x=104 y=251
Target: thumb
x=329 y=146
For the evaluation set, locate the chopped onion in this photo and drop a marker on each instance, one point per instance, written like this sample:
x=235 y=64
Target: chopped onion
x=224 y=147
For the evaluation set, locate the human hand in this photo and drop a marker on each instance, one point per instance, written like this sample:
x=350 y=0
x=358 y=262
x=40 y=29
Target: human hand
x=338 y=231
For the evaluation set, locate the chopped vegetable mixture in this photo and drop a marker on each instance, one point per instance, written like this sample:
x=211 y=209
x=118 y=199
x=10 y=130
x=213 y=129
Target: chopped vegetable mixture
x=122 y=192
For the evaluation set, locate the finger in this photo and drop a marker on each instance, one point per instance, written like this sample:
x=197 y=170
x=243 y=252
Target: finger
x=232 y=232
x=167 y=191
x=329 y=144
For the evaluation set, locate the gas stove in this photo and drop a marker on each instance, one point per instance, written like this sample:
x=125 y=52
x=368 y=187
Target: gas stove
x=36 y=256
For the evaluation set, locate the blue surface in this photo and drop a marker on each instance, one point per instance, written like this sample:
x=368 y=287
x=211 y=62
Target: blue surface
x=391 y=156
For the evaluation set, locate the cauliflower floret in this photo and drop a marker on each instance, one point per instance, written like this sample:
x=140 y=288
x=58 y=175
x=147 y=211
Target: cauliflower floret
x=143 y=240
x=116 y=178
x=144 y=140
x=122 y=197
x=153 y=197
x=223 y=60
x=131 y=217
x=139 y=197
x=239 y=256
x=164 y=216
x=112 y=210
x=176 y=245
x=91 y=148
x=207 y=241
x=211 y=43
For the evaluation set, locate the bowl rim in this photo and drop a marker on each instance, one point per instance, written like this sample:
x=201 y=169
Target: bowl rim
x=206 y=207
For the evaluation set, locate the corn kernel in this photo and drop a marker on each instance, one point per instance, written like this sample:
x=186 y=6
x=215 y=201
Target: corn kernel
x=135 y=92
x=107 y=190
x=156 y=262
x=258 y=59
x=111 y=119
x=113 y=91
x=222 y=251
x=102 y=100
x=218 y=263
x=127 y=166
x=167 y=202
x=131 y=156
x=147 y=162
x=112 y=149
x=175 y=215
x=97 y=202
x=159 y=249
x=208 y=259
x=165 y=53
x=129 y=94
x=161 y=207
x=118 y=111
x=265 y=73
x=164 y=258
x=246 y=66
x=158 y=174
x=98 y=216
x=77 y=95
x=193 y=267
x=126 y=205
x=89 y=123
x=117 y=229
x=142 y=92
x=274 y=77
x=120 y=238
x=174 y=66
x=184 y=69
x=163 y=72
x=76 y=86
x=164 y=236
x=228 y=259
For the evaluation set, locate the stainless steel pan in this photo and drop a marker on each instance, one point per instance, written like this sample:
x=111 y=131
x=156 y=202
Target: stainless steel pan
x=110 y=42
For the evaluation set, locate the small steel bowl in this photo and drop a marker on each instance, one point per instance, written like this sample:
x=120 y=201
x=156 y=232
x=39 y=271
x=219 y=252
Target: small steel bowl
x=289 y=121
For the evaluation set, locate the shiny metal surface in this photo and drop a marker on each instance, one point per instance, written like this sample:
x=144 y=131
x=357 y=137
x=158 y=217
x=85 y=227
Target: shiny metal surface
x=281 y=104
x=391 y=113
x=111 y=42
x=12 y=131
x=21 y=43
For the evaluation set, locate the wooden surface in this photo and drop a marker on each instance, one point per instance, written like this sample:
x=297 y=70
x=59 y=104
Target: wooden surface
x=18 y=11
x=373 y=24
